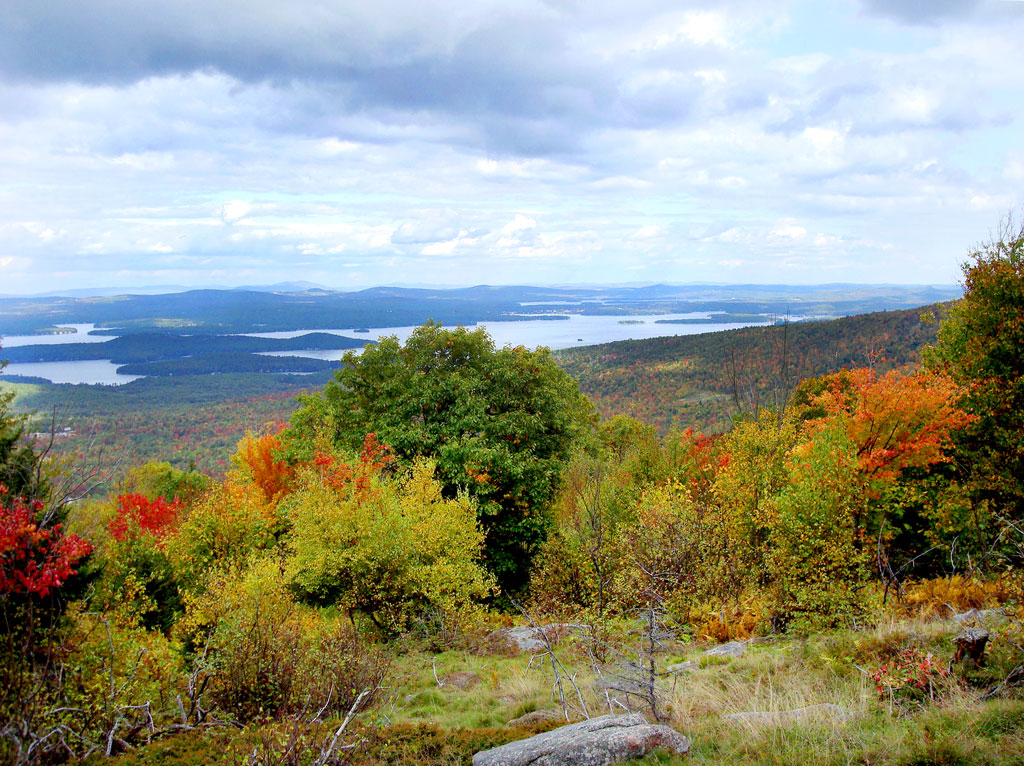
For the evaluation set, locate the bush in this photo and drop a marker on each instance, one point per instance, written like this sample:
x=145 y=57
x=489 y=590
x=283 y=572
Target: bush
x=273 y=658
x=390 y=549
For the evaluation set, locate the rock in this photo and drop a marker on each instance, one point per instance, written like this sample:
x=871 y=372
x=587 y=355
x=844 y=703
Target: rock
x=836 y=713
x=537 y=716
x=980 y=616
x=461 y=680
x=526 y=638
x=682 y=667
x=731 y=649
x=594 y=742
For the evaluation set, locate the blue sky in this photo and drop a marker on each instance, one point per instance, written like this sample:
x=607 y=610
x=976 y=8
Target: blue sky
x=550 y=141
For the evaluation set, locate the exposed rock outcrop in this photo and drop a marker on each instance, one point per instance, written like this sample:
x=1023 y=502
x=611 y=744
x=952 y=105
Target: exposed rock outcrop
x=826 y=712
x=536 y=717
x=731 y=649
x=461 y=680
x=594 y=742
x=980 y=617
x=526 y=638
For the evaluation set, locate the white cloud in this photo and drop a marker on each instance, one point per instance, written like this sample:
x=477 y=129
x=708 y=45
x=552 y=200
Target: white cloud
x=499 y=131
x=518 y=224
x=235 y=211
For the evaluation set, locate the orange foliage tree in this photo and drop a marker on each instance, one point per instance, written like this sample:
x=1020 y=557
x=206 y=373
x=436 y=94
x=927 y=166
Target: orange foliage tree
x=895 y=421
x=272 y=474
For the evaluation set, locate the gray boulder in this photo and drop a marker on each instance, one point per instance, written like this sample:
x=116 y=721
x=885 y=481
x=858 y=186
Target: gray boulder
x=980 y=617
x=682 y=667
x=731 y=649
x=526 y=638
x=462 y=680
x=537 y=717
x=594 y=742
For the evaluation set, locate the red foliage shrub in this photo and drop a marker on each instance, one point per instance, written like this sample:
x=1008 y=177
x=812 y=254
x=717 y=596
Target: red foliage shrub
x=32 y=559
x=137 y=514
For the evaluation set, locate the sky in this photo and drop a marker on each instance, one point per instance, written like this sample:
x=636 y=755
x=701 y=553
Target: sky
x=354 y=143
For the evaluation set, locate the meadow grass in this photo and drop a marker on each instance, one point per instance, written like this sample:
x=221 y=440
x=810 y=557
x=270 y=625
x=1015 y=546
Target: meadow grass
x=430 y=720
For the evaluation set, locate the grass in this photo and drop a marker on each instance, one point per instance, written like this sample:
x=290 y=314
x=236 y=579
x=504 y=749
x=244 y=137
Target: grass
x=772 y=677
x=429 y=721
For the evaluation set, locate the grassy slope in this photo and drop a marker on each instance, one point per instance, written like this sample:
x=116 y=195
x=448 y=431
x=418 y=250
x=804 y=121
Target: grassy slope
x=428 y=721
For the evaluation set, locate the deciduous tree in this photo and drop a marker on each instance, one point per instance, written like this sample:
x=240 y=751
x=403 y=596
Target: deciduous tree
x=499 y=424
x=981 y=344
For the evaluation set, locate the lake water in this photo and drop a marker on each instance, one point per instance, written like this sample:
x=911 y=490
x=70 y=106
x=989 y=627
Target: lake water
x=554 y=333
x=81 y=335
x=90 y=371
x=575 y=331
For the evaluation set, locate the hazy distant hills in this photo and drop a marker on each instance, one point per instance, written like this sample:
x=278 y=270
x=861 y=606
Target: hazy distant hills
x=102 y=292
x=216 y=311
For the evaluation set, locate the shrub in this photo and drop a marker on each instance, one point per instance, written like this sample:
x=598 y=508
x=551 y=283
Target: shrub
x=389 y=549
x=274 y=658
x=912 y=677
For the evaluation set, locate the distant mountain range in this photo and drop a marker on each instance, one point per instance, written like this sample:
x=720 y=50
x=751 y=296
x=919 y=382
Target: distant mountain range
x=103 y=292
x=301 y=305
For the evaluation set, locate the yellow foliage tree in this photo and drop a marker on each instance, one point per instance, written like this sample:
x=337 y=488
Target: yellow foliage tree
x=389 y=549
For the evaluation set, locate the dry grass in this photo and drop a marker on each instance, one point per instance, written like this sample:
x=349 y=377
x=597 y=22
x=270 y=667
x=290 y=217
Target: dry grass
x=431 y=725
x=769 y=679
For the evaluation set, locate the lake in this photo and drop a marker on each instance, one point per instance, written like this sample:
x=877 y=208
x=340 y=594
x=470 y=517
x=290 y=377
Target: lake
x=81 y=335
x=575 y=331
x=101 y=371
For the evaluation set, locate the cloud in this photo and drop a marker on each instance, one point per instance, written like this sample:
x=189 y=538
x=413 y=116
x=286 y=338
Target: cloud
x=427 y=227
x=933 y=12
x=444 y=140
x=922 y=11
x=531 y=79
x=235 y=211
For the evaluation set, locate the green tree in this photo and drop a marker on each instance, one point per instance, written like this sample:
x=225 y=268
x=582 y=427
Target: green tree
x=981 y=344
x=20 y=464
x=499 y=424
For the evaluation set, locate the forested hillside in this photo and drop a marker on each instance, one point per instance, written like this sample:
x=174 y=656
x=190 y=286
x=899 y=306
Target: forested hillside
x=185 y=420
x=693 y=380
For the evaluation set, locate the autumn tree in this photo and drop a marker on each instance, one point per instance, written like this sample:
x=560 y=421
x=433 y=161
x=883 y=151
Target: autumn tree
x=20 y=469
x=498 y=423
x=392 y=549
x=981 y=344
x=38 y=559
